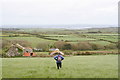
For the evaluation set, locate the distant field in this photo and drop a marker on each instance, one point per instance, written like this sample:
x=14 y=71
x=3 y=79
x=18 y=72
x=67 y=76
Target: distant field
x=100 y=42
x=73 y=67
x=92 y=38
x=71 y=38
x=109 y=37
x=33 y=40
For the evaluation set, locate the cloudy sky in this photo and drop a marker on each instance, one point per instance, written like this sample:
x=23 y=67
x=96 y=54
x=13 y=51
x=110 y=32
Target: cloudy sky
x=59 y=12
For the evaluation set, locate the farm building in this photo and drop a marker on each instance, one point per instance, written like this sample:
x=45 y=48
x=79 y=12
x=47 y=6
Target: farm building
x=13 y=51
x=28 y=52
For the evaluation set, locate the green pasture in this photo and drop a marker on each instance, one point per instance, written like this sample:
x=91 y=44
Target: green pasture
x=34 y=41
x=71 y=38
x=102 y=34
x=103 y=43
x=41 y=30
x=109 y=37
x=100 y=42
x=56 y=35
x=104 y=66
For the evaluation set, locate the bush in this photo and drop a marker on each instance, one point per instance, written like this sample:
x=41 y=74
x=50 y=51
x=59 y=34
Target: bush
x=67 y=46
x=44 y=46
x=111 y=46
x=86 y=46
x=5 y=46
x=67 y=52
x=5 y=43
x=22 y=43
x=96 y=46
x=60 y=44
x=82 y=53
x=63 y=45
x=82 y=46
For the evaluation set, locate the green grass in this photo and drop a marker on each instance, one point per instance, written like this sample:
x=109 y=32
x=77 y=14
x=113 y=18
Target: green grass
x=109 y=37
x=100 y=42
x=33 y=40
x=56 y=35
x=71 y=38
x=103 y=43
x=0 y=68
x=73 y=67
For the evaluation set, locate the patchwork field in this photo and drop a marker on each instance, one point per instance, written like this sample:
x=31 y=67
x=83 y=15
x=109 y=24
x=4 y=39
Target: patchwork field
x=107 y=37
x=99 y=46
x=53 y=35
x=34 y=41
x=73 y=67
x=70 y=38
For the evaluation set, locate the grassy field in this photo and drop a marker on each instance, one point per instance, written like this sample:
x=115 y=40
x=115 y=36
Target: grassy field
x=33 y=40
x=73 y=67
x=71 y=37
x=0 y=68
x=109 y=37
x=100 y=42
x=92 y=38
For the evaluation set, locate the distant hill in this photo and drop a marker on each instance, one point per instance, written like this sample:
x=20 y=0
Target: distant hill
x=101 y=30
x=53 y=30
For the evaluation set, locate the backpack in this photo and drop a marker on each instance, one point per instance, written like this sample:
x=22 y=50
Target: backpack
x=59 y=58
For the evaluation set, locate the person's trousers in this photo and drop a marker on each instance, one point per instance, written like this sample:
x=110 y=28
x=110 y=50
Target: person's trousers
x=59 y=65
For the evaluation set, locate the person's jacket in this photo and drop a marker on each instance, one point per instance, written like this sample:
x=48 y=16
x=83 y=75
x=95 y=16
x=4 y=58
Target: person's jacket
x=58 y=58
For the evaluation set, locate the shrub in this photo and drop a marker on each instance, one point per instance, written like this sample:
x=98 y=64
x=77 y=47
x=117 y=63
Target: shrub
x=63 y=45
x=67 y=52
x=67 y=46
x=5 y=46
x=96 y=46
x=86 y=46
x=81 y=46
x=22 y=43
x=111 y=46
x=44 y=46
x=60 y=44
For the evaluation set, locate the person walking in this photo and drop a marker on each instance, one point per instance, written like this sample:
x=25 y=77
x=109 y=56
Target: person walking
x=59 y=59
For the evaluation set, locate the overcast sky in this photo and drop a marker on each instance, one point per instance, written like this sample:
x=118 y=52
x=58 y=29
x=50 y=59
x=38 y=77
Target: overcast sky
x=59 y=12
